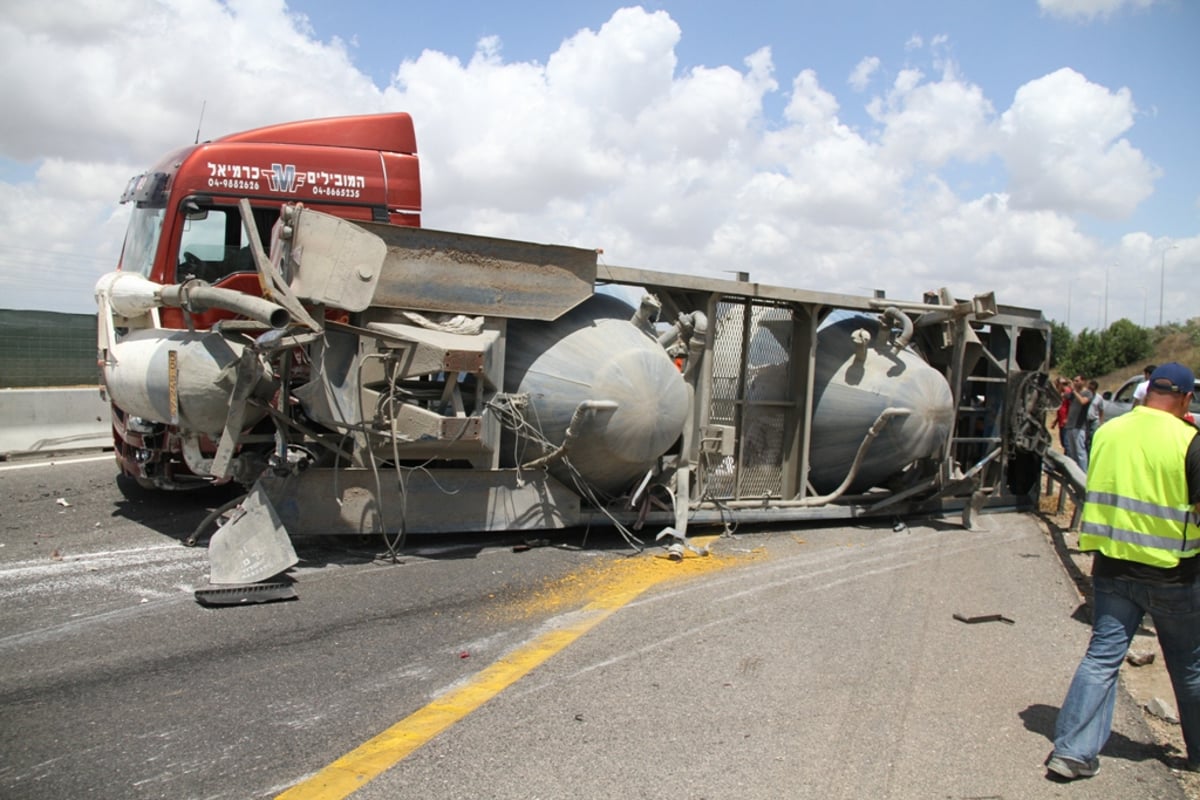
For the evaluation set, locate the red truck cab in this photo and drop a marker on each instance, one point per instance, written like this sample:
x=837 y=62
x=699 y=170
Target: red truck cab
x=186 y=223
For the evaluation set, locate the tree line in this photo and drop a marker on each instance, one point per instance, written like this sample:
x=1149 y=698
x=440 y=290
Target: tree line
x=1094 y=353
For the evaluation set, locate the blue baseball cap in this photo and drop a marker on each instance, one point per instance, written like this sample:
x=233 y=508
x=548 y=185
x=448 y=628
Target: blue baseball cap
x=1173 y=377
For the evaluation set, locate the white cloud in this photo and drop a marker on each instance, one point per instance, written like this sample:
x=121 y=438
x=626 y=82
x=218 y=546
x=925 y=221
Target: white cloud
x=59 y=233
x=139 y=71
x=1088 y=10
x=605 y=144
x=861 y=76
x=1060 y=139
x=932 y=123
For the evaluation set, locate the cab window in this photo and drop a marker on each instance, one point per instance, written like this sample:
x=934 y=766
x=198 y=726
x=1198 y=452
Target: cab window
x=214 y=245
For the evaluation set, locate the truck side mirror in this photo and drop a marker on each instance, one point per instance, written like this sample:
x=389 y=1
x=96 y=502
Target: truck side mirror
x=192 y=211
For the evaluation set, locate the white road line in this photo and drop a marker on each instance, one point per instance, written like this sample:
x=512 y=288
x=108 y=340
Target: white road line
x=52 y=462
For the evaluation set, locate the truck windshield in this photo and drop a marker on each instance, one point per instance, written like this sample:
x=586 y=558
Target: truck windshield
x=141 y=240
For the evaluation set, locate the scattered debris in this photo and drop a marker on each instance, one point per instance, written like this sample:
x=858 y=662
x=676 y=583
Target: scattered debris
x=464 y=654
x=55 y=555
x=984 y=618
x=529 y=544
x=1141 y=659
x=62 y=501
x=1163 y=710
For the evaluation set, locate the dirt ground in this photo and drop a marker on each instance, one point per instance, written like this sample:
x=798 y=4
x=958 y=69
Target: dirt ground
x=1143 y=683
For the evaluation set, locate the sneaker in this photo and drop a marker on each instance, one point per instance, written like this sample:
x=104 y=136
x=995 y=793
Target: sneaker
x=1070 y=768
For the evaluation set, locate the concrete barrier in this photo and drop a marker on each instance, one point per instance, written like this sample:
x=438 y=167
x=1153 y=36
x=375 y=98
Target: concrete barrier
x=51 y=420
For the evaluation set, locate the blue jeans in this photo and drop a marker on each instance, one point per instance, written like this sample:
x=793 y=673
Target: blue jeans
x=1085 y=720
x=1079 y=450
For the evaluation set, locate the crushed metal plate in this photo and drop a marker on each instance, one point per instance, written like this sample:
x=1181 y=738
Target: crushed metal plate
x=265 y=592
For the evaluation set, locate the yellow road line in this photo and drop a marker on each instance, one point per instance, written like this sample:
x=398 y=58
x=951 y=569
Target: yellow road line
x=375 y=756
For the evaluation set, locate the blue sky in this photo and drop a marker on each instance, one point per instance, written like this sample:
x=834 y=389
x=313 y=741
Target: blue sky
x=999 y=44
x=1041 y=149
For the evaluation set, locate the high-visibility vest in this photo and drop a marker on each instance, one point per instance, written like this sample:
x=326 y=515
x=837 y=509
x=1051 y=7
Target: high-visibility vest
x=1137 y=508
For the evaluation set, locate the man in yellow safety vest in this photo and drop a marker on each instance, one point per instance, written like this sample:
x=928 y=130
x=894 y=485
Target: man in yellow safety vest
x=1140 y=518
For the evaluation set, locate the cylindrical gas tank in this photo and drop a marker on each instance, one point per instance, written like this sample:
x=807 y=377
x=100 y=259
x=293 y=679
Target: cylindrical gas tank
x=855 y=382
x=140 y=379
x=593 y=353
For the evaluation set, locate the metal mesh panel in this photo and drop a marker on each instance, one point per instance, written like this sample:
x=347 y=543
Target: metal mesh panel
x=750 y=392
x=727 y=388
x=44 y=348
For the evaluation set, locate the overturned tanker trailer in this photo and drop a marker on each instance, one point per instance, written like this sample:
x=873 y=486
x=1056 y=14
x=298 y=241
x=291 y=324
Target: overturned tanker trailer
x=402 y=380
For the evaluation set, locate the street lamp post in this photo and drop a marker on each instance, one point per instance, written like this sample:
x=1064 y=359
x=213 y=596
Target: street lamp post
x=1118 y=264
x=1162 y=282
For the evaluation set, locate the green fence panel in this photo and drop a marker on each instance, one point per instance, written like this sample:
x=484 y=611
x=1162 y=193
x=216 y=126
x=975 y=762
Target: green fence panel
x=46 y=348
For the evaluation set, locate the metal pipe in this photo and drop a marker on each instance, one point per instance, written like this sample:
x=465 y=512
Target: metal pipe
x=646 y=315
x=906 y=327
x=861 y=339
x=883 y=304
x=196 y=295
x=697 y=341
x=877 y=427
x=689 y=451
x=572 y=432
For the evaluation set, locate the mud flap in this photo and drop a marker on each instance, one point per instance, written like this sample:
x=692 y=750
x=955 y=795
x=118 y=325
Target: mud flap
x=252 y=545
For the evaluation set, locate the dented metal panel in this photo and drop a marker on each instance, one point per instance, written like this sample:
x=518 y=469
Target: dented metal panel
x=335 y=262
x=433 y=351
x=325 y=501
x=429 y=270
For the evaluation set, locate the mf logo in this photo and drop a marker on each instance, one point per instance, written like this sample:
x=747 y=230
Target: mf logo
x=283 y=178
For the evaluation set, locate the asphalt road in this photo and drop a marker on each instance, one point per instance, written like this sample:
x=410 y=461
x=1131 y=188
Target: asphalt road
x=819 y=662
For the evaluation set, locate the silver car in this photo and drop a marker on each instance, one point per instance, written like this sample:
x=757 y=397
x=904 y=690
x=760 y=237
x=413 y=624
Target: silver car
x=1122 y=400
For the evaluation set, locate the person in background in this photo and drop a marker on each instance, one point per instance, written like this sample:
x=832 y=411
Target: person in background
x=1139 y=518
x=1095 y=412
x=1060 y=418
x=1077 y=419
x=1139 y=391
